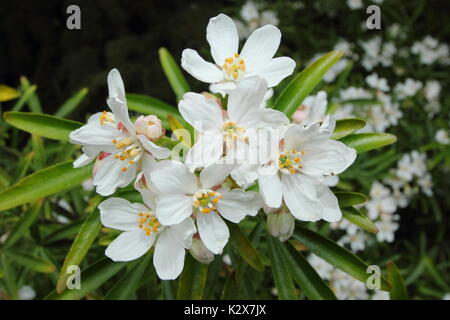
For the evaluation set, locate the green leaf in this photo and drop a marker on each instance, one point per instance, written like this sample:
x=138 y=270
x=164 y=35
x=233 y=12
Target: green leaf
x=43 y=125
x=336 y=255
x=280 y=270
x=8 y=93
x=42 y=183
x=24 y=98
x=148 y=105
x=81 y=245
x=245 y=247
x=70 y=105
x=304 y=274
x=168 y=288
x=33 y=101
x=91 y=279
x=65 y=232
x=348 y=199
x=39 y=151
x=344 y=127
x=363 y=142
x=192 y=280
x=31 y=262
x=231 y=287
x=304 y=82
x=129 y=283
x=173 y=73
x=358 y=218
x=398 y=291
x=24 y=223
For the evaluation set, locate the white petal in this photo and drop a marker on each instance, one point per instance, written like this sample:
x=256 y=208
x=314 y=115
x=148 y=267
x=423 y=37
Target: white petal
x=276 y=70
x=109 y=176
x=246 y=98
x=173 y=177
x=223 y=87
x=213 y=231
x=120 y=214
x=115 y=86
x=82 y=161
x=299 y=193
x=183 y=232
x=95 y=135
x=207 y=150
x=223 y=38
x=121 y=115
x=270 y=188
x=157 y=151
x=173 y=208
x=245 y=174
x=215 y=174
x=168 y=258
x=203 y=114
x=260 y=47
x=296 y=136
x=129 y=245
x=200 y=69
x=237 y=204
x=148 y=193
x=264 y=118
x=331 y=211
x=148 y=164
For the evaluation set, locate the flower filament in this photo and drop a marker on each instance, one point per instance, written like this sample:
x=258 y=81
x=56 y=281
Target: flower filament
x=290 y=162
x=106 y=118
x=148 y=223
x=206 y=200
x=130 y=150
x=233 y=132
x=234 y=67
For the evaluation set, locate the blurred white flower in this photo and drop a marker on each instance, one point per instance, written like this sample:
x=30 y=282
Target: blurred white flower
x=380 y=295
x=357 y=241
x=355 y=4
x=376 y=82
x=387 y=226
x=432 y=90
x=430 y=50
x=26 y=293
x=312 y=110
x=408 y=88
x=442 y=137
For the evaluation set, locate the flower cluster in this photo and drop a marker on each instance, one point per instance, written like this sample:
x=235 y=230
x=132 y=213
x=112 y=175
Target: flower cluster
x=188 y=204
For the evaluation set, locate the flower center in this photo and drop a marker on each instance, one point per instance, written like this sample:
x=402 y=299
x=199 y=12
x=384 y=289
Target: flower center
x=290 y=162
x=234 y=67
x=205 y=200
x=148 y=223
x=233 y=132
x=106 y=118
x=129 y=150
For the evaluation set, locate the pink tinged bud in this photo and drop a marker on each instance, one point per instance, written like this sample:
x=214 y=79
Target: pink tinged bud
x=281 y=224
x=149 y=126
x=200 y=252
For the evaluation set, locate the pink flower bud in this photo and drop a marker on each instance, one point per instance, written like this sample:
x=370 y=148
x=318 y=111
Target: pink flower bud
x=149 y=126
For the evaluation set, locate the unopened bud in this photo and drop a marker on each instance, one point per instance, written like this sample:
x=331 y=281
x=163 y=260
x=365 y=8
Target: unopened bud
x=281 y=224
x=200 y=252
x=149 y=126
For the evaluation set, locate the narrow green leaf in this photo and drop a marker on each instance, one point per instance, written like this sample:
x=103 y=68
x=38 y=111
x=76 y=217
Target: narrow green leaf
x=129 y=283
x=81 y=245
x=280 y=270
x=358 y=218
x=43 y=125
x=245 y=247
x=39 y=160
x=311 y=284
x=23 y=166
x=304 y=82
x=192 y=280
x=42 y=183
x=398 y=291
x=24 y=98
x=231 y=287
x=168 y=288
x=24 y=223
x=70 y=105
x=33 y=101
x=91 y=279
x=344 y=127
x=336 y=255
x=173 y=73
x=31 y=262
x=8 y=93
x=65 y=232
x=347 y=198
x=363 y=142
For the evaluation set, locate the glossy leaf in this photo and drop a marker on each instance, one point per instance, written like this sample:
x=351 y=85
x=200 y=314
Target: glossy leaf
x=398 y=291
x=173 y=73
x=72 y=103
x=358 y=218
x=33 y=101
x=43 y=125
x=344 y=127
x=42 y=183
x=363 y=142
x=280 y=270
x=304 y=274
x=31 y=262
x=304 y=82
x=336 y=255
x=347 y=198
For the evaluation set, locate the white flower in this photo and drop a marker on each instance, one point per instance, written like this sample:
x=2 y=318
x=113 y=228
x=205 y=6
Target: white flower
x=231 y=67
x=122 y=148
x=355 y=4
x=323 y=268
x=432 y=90
x=381 y=201
x=357 y=241
x=312 y=110
x=442 y=136
x=426 y=183
x=380 y=295
x=183 y=194
x=407 y=89
x=233 y=127
x=387 y=227
x=26 y=293
x=376 y=82
x=446 y=296
x=295 y=173
x=141 y=230
x=404 y=168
